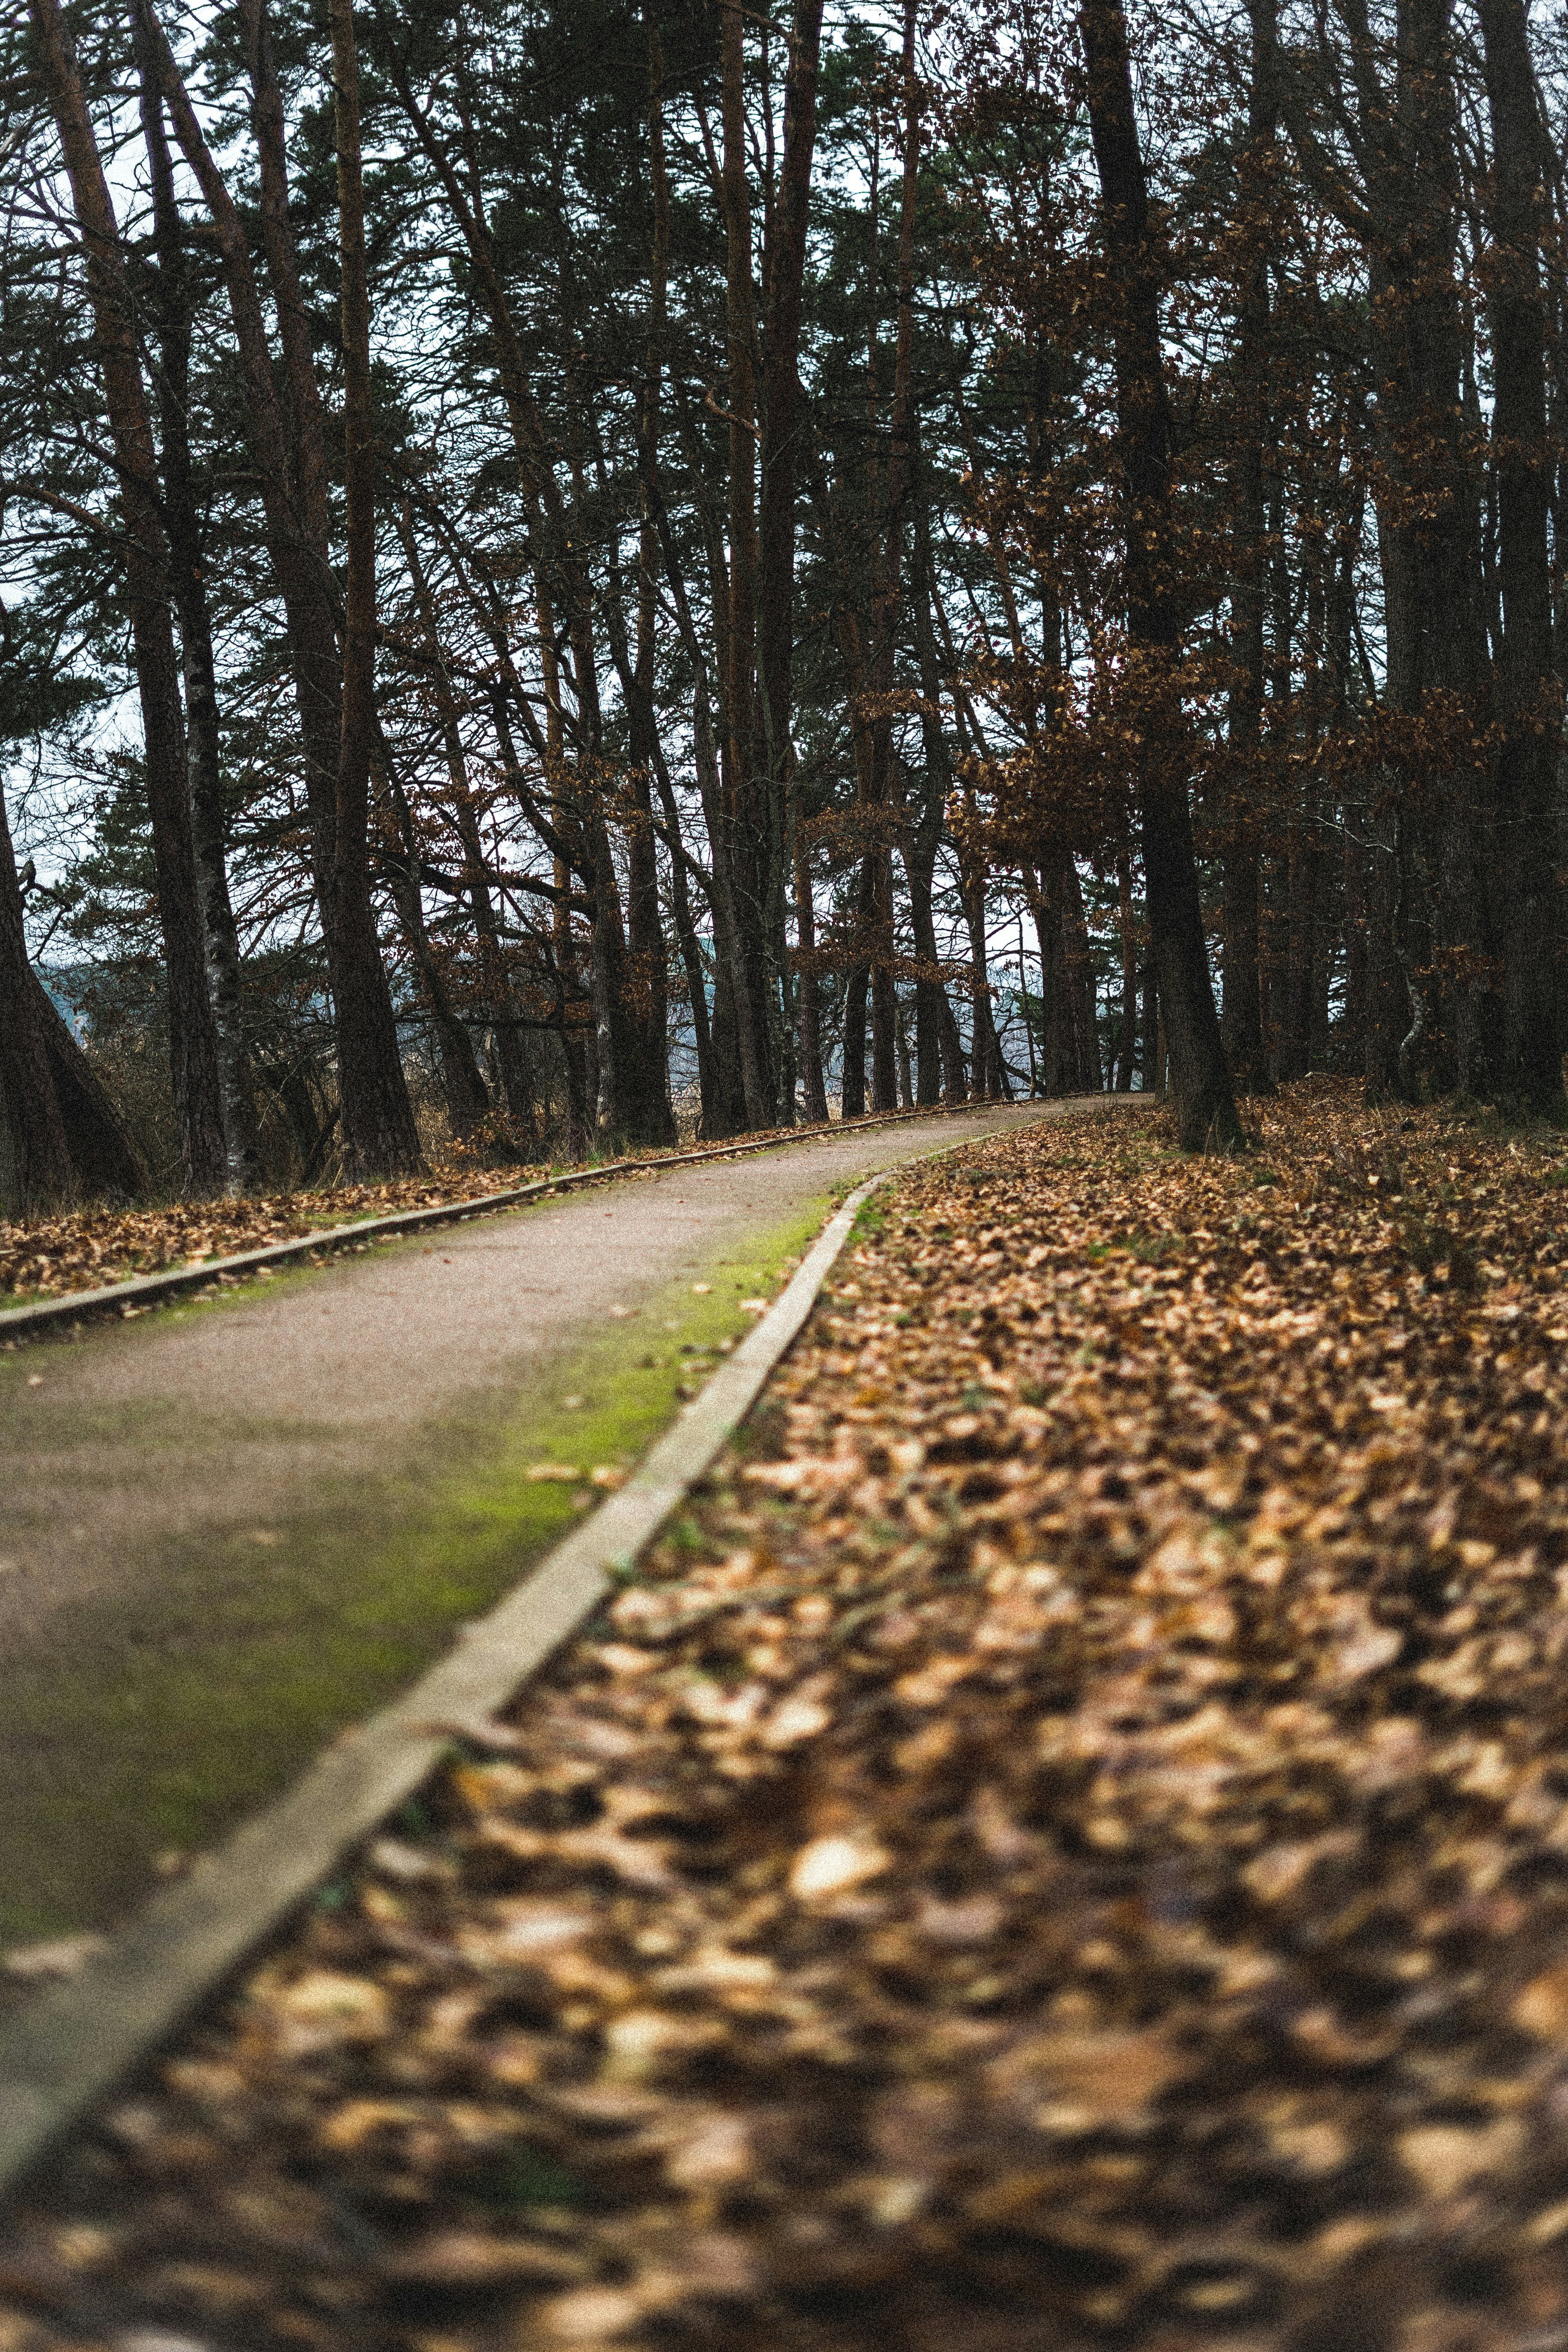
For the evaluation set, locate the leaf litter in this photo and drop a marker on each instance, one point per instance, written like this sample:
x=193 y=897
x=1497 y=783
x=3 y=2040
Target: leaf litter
x=84 y=1249
x=1065 y=1844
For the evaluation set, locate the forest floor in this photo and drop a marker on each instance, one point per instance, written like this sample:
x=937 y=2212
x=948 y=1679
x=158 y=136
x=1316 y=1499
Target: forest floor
x=1065 y=1845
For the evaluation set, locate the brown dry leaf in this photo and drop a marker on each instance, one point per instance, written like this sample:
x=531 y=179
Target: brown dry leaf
x=1051 y=1855
x=1445 y=2158
x=1542 y=2007
x=833 y=1865
x=323 y=2007
x=1072 y=2082
x=466 y=2259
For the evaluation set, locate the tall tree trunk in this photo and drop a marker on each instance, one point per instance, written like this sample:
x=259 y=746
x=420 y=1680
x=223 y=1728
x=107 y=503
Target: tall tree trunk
x=575 y=1045
x=936 y=1031
x=39 y=1155
x=1069 y=1044
x=1426 y=898
x=562 y=580
x=641 y=996
x=291 y=455
x=757 y=835
x=193 y=1041
x=783 y=274
x=379 y=1136
x=1056 y=1019
x=1087 y=1076
x=735 y=1062
x=1125 y=1057
x=1242 y=1019
x=857 y=988
x=847 y=627
x=295 y=478
x=932 y=1068
x=187 y=563
x=1527 y=1053
x=649 y=973
x=1305 y=843
x=1354 y=1032
x=887 y=576
x=989 y=1078
x=1205 y=1110
x=738 y=1021
x=1151 y=1075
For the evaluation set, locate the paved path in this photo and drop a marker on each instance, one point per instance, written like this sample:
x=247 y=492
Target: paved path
x=231 y=1528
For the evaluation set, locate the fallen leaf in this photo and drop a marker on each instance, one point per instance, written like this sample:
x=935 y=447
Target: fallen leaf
x=1446 y=2158
x=832 y=1865
x=1541 y=2008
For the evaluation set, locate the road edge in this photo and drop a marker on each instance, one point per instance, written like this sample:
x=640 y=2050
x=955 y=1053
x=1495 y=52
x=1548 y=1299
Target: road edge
x=70 y=2047
x=140 y=1290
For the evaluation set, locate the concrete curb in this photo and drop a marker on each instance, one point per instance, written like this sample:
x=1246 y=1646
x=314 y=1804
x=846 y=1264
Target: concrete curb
x=71 y=2045
x=146 y=1289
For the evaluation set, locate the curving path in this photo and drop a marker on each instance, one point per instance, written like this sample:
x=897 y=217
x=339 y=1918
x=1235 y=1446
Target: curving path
x=231 y=1528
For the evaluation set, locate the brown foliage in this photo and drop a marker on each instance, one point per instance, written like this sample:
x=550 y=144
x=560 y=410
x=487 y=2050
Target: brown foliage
x=1064 y=1847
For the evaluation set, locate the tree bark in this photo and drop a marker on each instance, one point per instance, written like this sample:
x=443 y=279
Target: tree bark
x=757 y=826
x=735 y=1059
x=783 y=275
x=1430 y=825
x=292 y=465
x=1127 y=1048
x=887 y=584
x=1242 y=1013
x=1069 y=1045
x=192 y=1041
x=299 y=529
x=650 y=952
x=1088 y=1074
x=1528 y=1055
x=1056 y=1020
x=988 y=1078
x=863 y=916
x=40 y=1157
x=1205 y=1110
x=936 y=1031
x=379 y=1136
x=188 y=562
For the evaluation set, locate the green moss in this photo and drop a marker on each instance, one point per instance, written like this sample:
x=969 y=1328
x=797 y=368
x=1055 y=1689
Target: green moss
x=158 y=1716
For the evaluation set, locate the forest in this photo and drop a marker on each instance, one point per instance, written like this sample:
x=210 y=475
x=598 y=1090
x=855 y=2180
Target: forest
x=576 y=573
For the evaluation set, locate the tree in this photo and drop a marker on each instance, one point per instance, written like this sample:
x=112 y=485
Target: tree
x=192 y=1036
x=1206 y=1112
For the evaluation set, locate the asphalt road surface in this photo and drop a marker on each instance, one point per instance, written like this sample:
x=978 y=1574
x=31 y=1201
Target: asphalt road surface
x=229 y=1528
